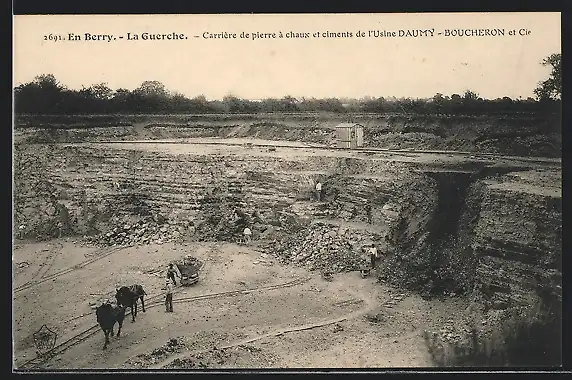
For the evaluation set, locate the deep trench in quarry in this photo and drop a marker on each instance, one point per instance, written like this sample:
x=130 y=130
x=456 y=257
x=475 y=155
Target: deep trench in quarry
x=432 y=251
x=439 y=258
x=446 y=224
x=451 y=189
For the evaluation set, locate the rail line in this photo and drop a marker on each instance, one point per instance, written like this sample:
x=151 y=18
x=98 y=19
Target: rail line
x=44 y=269
x=85 y=334
x=545 y=160
x=392 y=300
x=102 y=254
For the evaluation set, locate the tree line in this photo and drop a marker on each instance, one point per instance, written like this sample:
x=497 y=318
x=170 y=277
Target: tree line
x=45 y=95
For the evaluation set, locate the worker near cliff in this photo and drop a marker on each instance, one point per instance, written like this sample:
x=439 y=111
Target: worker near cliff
x=60 y=227
x=319 y=191
x=373 y=255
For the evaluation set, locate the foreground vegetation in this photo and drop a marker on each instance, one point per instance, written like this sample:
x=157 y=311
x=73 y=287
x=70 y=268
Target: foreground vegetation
x=530 y=337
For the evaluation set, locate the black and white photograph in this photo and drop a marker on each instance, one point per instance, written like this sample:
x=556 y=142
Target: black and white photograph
x=202 y=192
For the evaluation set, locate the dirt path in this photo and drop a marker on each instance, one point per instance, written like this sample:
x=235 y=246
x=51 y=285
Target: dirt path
x=370 y=306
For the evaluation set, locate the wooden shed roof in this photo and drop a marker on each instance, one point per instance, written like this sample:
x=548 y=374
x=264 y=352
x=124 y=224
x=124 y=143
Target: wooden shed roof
x=346 y=125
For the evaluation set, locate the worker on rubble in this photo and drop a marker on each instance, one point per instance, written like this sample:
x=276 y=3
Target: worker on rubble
x=171 y=273
x=368 y=212
x=319 y=191
x=247 y=235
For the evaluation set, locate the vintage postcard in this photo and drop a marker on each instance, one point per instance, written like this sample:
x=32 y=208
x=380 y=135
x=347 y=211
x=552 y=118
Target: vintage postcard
x=279 y=191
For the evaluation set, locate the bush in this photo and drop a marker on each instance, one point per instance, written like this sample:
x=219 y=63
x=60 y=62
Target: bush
x=527 y=339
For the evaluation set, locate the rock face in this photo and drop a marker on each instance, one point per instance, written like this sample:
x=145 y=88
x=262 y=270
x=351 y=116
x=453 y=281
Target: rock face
x=518 y=238
x=446 y=232
x=97 y=185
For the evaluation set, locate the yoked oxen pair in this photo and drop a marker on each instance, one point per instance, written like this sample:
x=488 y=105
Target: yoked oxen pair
x=128 y=297
x=108 y=315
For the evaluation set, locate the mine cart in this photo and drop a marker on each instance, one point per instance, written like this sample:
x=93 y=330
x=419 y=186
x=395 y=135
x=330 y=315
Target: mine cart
x=189 y=269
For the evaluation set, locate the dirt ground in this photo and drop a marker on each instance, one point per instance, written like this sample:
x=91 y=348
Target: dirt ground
x=348 y=322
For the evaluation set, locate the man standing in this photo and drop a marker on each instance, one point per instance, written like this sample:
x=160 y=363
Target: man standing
x=319 y=191
x=373 y=256
x=368 y=212
x=60 y=228
x=169 y=297
x=247 y=235
x=21 y=229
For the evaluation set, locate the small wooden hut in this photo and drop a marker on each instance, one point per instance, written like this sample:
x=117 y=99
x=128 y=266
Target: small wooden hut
x=349 y=135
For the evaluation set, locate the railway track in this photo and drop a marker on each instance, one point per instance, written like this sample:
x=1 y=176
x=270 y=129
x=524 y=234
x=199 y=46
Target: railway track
x=44 y=268
x=85 y=334
x=544 y=160
x=101 y=254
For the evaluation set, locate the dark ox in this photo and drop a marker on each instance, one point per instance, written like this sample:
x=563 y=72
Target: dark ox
x=128 y=297
x=107 y=316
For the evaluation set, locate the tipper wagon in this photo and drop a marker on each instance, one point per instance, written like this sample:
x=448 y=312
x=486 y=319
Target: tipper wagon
x=189 y=268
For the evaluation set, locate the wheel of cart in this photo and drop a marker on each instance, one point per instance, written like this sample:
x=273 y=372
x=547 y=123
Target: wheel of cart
x=364 y=271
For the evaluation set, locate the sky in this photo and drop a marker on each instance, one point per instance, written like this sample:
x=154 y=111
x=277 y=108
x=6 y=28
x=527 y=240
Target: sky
x=314 y=66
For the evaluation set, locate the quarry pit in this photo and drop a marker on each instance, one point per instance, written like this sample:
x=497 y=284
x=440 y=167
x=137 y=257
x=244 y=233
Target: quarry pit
x=463 y=236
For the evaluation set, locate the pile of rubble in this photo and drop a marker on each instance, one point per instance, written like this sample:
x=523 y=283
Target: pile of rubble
x=324 y=247
x=173 y=346
x=241 y=356
x=219 y=220
x=145 y=231
x=186 y=363
x=451 y=332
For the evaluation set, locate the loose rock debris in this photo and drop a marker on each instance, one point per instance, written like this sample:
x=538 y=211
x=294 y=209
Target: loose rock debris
x=23 y=264
x=210 y=358
x=173 y=345
x=321 y=247
x=144 y=231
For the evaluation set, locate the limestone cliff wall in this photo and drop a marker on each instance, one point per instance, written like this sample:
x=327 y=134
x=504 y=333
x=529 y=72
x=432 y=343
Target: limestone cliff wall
x=501 y=238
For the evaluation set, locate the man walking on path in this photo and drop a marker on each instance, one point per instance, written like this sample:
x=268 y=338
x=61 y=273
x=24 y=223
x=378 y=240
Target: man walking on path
x=319 y=191
x=169 y=297
x=373 y=256
x=171 y=273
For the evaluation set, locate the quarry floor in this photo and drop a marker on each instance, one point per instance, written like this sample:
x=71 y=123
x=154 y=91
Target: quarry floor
x=342 y=337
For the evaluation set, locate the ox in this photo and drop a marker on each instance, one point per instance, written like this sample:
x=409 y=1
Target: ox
x=107 y=316
x=128 y=297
